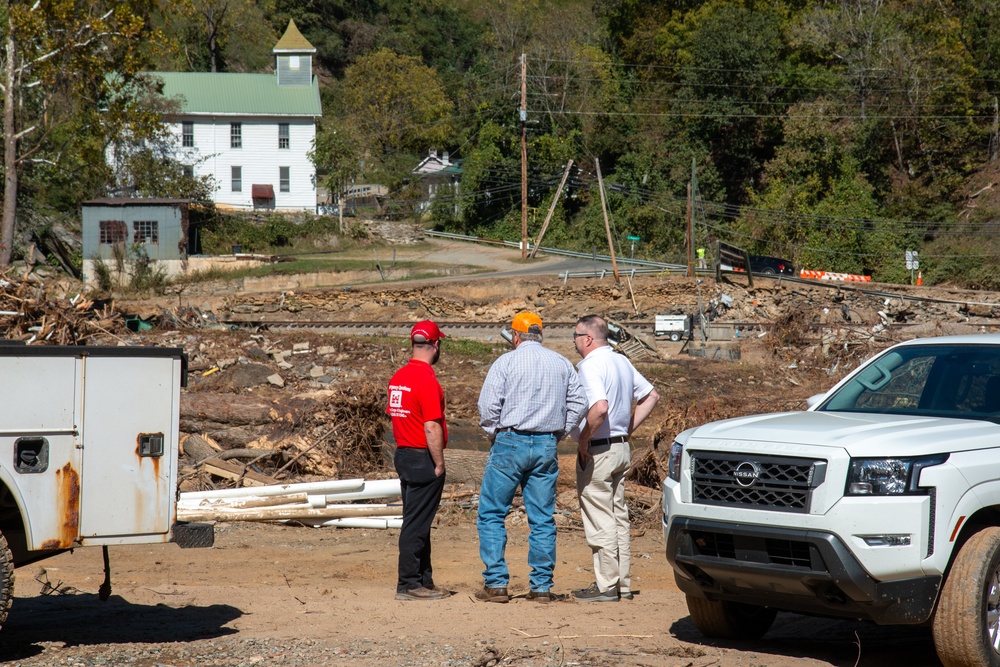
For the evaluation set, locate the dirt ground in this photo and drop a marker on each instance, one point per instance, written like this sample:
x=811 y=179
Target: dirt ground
x=289 y=595
x=283 y=595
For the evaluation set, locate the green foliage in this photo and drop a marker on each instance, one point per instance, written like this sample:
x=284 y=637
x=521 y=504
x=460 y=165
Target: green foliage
x=217 y=35
x=337 y=154
x=130 y=270
x=275 y=233
x=834 y=134
x=395 y=103
x=63 y=51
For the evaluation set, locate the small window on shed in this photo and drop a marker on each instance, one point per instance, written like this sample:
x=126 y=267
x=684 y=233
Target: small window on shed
x=112 y=231
x=283 y=137
x=188 y=134
x=236 y=135
x=284 y=179
x=145 y=231
x=237 y=179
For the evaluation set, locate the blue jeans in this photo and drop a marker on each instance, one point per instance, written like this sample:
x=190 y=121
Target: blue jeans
x=529 y=461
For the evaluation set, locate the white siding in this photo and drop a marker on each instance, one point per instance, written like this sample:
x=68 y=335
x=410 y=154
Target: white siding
x=259 y=157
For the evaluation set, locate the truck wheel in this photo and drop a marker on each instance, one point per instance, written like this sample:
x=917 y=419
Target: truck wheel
x=967 y=620
x=6 y=579
x=730 y=620
x=675 y=337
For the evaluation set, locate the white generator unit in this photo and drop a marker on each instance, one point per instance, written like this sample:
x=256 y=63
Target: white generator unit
x=674 y=327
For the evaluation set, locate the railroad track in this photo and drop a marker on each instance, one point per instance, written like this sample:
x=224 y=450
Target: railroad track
x=402 y=328
x=467 y=329
x=457 y=328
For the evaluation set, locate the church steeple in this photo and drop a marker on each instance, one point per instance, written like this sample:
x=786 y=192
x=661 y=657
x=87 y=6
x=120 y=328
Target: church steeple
x=293 y=58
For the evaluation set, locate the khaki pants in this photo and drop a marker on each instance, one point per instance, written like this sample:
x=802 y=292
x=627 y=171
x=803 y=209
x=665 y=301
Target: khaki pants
x=601 y=488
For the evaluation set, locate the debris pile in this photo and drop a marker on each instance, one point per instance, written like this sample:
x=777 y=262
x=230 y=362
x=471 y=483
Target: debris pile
x=329 y=433
x=40 y=313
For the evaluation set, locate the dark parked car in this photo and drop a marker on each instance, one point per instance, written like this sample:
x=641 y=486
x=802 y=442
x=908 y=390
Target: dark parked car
x=771 y=266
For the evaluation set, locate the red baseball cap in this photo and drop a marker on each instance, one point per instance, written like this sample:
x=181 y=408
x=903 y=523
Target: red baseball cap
x=425 y=332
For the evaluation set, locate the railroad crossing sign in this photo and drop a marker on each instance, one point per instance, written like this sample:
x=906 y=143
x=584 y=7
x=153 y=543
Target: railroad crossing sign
x=912 y=260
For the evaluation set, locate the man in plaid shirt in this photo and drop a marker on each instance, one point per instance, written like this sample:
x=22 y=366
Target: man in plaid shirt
x=531 y=398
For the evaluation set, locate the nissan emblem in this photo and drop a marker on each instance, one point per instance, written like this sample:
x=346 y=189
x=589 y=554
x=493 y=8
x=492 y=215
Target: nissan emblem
x=746 y=473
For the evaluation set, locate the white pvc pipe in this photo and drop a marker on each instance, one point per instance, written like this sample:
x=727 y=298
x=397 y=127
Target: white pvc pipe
x=289 y=512
x=379 y=488
x=330 y=486
x=243 y=501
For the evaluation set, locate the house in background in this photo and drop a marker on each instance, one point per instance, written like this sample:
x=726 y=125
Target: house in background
x=251 y=132
x=438 y=174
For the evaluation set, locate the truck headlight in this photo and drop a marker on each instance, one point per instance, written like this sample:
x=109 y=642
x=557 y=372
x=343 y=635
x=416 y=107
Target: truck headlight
x=890 y=476
x=674 y=461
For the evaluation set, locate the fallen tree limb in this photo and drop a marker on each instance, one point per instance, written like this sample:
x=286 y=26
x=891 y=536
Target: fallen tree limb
x=644 y=495
x=198 y=448
x=244 y=453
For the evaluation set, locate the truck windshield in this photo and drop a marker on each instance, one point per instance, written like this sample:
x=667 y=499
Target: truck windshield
x=961 y=381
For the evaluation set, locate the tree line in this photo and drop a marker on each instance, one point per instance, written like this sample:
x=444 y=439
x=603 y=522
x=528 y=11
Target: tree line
x=833 y=133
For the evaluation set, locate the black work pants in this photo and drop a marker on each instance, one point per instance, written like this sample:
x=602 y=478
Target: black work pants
x=421 y=491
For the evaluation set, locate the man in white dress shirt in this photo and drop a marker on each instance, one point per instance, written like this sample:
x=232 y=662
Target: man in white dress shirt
x=611 y=383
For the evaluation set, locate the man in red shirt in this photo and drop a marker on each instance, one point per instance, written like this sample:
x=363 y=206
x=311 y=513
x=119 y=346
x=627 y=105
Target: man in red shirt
x=416 y=405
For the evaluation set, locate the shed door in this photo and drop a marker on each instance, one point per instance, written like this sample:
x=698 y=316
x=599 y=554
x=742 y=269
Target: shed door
x=128 y=489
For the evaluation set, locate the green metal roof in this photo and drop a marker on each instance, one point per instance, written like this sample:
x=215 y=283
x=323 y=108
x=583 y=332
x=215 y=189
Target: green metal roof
x=239 y=94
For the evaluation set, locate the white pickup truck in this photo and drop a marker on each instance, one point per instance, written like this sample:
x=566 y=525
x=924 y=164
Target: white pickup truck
x=88 y=452
x=881 y=501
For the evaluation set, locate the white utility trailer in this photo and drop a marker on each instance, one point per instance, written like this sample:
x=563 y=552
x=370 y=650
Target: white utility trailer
x=88 y=452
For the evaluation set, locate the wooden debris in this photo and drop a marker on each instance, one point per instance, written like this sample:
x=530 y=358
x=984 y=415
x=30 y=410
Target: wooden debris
x=236 y=472
x=36 y=313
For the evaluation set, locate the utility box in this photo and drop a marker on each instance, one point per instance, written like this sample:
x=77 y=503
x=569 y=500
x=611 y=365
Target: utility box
x=675 y=327
x=88 y=450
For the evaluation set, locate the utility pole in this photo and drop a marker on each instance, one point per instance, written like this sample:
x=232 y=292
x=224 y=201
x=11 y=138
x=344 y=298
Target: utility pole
x=524 y=158
x=340 y=208
x=607 y=223
x=552 y=208
x=690 y=236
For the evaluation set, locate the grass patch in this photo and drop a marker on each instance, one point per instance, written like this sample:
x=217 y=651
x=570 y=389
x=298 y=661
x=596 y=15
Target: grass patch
x=303 y=265
x=474 y=349
x=369 y=249
x=453 y=348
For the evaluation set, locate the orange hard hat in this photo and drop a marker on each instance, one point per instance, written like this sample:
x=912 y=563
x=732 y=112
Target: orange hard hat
x=524 y=321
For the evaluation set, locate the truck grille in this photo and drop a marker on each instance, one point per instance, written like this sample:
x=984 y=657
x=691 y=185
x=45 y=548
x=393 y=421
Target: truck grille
x=789 y=553
x=764 y=482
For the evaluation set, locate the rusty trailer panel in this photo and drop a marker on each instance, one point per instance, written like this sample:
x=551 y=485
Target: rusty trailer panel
x=89 y=443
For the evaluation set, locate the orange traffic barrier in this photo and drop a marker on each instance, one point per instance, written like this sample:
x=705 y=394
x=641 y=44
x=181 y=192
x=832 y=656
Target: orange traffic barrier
x=827 y=275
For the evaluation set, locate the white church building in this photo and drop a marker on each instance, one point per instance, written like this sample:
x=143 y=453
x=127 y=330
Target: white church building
x=251 y=132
